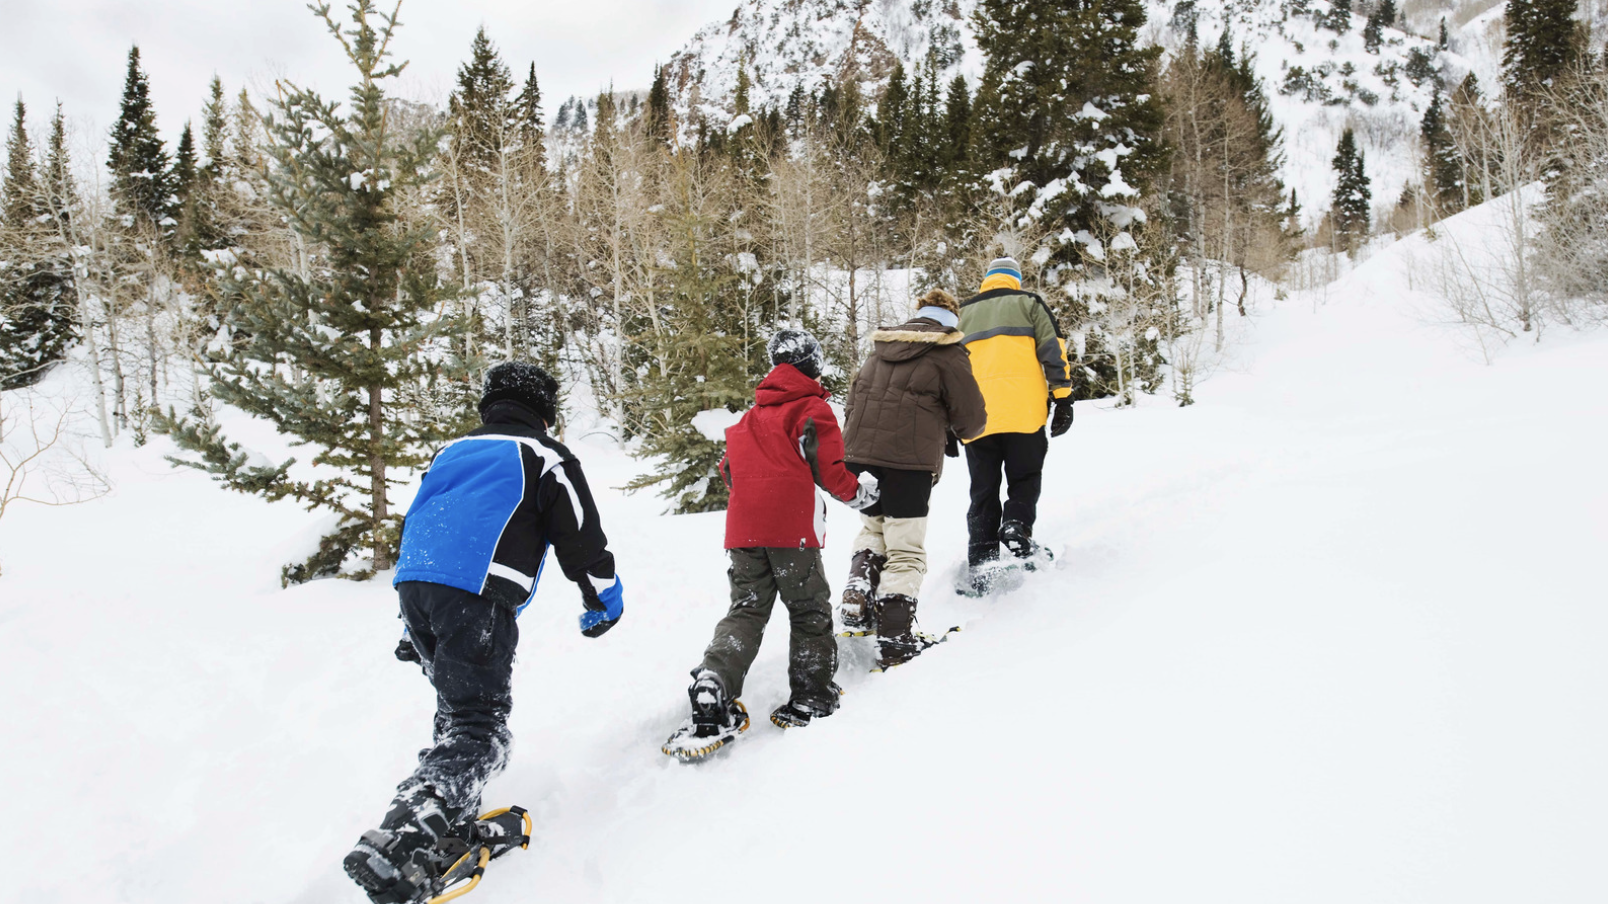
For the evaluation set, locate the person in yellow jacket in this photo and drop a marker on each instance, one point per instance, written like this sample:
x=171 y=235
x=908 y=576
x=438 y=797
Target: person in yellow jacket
x=1019 y=360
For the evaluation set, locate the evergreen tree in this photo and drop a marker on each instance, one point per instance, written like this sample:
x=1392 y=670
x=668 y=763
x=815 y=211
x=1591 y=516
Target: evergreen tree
x=214 y=131
x=1543 y=41
x=1339 y=18
x=37 y=296
x=137 y=158
x=1373 y=31
x=1352 y=211
x=890 y=122
x=1443 y=167
x=337 y=354
x=957 y=125
x=484 y=116
x=1067 y=107
x=1387 y=13
x=184 y=167
x=1443 y=42
x=658 y=122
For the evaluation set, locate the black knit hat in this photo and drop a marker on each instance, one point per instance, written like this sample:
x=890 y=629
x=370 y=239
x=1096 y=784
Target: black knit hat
x=798 y=348
x=525 y=383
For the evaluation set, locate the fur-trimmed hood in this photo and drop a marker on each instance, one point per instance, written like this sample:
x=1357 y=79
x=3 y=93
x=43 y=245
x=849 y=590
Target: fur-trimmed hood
x=913 y=338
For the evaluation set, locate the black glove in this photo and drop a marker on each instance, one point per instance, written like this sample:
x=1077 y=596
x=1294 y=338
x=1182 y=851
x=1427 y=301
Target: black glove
x=406 y=651
x=952 y=446
x=1062 y=419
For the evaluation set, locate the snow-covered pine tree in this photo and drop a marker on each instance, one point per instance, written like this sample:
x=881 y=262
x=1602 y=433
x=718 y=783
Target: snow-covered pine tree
x=1543 y=41
x=1068 y=127
x=1373 y=31
x=38 y=313
x=330 y=353
x=137 y=157
x=1352 y=211
x=1443 y=167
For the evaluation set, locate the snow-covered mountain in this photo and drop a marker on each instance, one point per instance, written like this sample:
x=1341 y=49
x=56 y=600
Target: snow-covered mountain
x=1319 y=80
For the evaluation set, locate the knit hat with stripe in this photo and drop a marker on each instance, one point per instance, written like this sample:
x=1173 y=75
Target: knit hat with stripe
x=1003 y=273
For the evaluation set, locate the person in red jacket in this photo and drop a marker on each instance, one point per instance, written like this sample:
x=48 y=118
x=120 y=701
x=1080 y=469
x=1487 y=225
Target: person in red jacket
x=788 y=444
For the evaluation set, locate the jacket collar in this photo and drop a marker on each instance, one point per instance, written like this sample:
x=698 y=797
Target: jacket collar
x=786 y=383
x=510 y=412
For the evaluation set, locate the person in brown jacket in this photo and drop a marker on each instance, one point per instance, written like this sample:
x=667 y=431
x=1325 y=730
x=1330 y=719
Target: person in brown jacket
x=912 y=402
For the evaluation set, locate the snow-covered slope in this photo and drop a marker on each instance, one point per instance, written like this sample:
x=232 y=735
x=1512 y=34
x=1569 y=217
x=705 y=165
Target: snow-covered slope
x=785 y=43
x=1333 y=634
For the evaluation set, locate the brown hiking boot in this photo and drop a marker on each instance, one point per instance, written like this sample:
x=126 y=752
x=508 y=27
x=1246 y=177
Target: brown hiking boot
x=856 y=613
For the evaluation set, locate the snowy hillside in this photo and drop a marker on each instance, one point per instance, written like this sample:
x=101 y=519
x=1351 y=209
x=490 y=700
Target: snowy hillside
x=1318 y=80
x=1334 y=634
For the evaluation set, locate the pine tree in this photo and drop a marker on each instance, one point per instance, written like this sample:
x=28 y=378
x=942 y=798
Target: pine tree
x=957 y=125
x=37 y=295
x=1373 y=31
x=1339 y=18
x=658 y=122
x=1067 y=107
x=1352 y=211
x=483 y=115
x=1387 y=13
x=137 y=157
x=1443 y=167
x=1543 y=41
x=1444 y=41
x=339 y=354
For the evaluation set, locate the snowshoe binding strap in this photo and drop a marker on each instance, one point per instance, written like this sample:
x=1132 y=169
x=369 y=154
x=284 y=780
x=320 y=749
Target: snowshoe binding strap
x=493 y=838
x=482 y=856
x=690 y=744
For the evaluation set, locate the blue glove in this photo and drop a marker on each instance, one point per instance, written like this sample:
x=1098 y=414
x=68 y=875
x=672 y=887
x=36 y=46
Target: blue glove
x=603 y=609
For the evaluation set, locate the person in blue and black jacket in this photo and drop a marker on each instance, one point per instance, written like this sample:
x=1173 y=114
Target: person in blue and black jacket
x=473 y=545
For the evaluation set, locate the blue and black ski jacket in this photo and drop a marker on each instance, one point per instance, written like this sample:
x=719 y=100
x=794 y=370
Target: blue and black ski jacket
x=491 y=504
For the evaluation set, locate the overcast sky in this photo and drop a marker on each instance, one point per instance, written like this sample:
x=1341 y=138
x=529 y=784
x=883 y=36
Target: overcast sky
x=77 y=50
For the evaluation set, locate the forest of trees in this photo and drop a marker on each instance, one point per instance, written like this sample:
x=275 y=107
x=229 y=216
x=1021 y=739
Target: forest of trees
x=347 y=268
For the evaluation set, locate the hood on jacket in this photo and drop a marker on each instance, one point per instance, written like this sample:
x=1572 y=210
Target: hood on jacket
x=912 y=339
x=786 y=383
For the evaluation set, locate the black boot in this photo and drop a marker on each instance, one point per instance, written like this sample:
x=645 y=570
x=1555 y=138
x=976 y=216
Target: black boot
x=419 y=839
x=860 y=591
x=1018 y=538
x=798 y=713
x=716 y=719
x=896 y=641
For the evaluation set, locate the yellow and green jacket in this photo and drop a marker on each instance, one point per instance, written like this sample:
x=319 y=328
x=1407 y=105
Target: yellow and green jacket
x=1017 y=356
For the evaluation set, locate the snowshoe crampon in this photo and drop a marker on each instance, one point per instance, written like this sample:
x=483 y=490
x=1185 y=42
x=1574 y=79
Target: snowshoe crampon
x=895 y=653
x=417 y=881
x=696 y=740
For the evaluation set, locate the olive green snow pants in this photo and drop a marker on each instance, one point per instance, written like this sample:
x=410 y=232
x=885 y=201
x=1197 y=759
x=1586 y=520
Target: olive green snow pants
x=758 y=575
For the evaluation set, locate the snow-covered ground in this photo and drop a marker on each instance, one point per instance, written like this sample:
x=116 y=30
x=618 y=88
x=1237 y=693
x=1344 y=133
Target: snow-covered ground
x=1335 y=633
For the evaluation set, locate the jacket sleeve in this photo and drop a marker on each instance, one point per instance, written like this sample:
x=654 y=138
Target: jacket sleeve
x=1051 y=350
x=962 y=397
x=571 y=525
x=826 y=463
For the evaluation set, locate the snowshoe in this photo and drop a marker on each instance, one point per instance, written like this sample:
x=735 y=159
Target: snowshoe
x=797 y=714
x=402 y=860
x=896 y=651
x=715 y=720
x=453 y=869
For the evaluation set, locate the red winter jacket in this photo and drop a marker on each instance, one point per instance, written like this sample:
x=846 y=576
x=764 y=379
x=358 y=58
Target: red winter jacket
x=772 y=483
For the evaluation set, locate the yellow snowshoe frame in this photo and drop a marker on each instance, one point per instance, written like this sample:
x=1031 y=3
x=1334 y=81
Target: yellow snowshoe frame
x=483 y=853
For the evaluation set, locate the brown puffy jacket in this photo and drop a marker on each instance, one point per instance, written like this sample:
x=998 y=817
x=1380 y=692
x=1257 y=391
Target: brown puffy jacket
x=915 y=388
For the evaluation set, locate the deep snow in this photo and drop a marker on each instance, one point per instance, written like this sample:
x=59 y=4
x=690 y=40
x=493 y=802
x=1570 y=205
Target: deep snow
x=1335 y=633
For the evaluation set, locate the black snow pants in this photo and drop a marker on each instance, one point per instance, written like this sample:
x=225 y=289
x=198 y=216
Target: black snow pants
x=758 y=575
x=466 y=643
x=1021 y=455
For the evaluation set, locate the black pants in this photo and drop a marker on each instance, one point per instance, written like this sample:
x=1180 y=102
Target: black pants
x=900 y=493
x=466 y=643
x=1021 y=455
